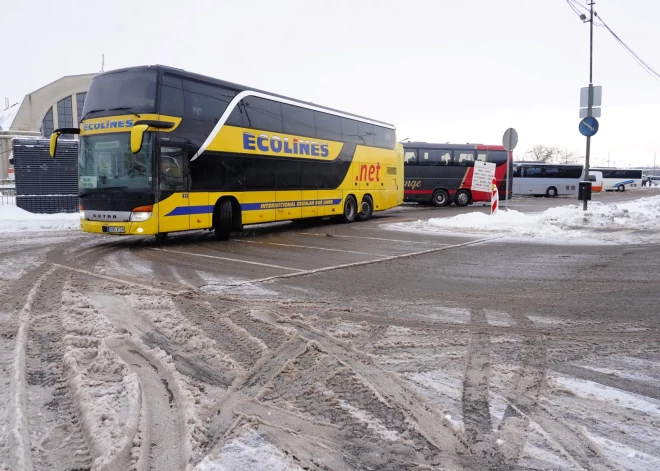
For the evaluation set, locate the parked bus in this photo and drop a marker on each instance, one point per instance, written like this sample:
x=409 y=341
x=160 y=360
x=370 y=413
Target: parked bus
x=543 y=179
x=164 y=150
x=596 y=179
x=620 y=179
x=442 y=173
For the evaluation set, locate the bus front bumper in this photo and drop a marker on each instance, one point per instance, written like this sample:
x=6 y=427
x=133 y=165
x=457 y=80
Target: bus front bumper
x=148 y=227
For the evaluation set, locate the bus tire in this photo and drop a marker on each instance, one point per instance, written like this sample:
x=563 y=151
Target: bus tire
x=350 y=209
x=440 y=198
x=551 y=192
x=222 y=219
x=366 y=208
x=621 y=188
x=462 y=198
x=161 y=236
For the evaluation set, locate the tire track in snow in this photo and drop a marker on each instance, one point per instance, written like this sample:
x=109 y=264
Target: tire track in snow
x=46 y=432
x=526 y=388
x=162 y=433
x=430 y=421
x=476 y=408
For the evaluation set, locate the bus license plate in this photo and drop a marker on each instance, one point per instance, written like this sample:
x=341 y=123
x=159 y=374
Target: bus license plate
x=116 y=229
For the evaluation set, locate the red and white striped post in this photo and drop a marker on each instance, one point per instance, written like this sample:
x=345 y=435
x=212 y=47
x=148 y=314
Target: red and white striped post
x=494 y=198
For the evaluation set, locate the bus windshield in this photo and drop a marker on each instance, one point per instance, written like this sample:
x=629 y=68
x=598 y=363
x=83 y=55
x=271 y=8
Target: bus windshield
x=105 y=161
x=134 y=91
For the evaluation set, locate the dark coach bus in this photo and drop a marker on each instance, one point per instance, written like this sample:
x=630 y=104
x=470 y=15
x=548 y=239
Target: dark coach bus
x=442 y=173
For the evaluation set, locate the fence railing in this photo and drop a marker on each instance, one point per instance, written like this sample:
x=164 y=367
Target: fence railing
x=7 y=192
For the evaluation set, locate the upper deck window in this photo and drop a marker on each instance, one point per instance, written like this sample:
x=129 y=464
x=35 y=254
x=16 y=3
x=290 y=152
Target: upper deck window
x=122 y=93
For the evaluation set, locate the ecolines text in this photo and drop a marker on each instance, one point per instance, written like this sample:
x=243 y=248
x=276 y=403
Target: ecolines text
x=124 y=123
x=278 y=145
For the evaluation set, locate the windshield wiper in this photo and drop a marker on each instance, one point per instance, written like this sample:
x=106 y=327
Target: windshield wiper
x=125 y=108
x=90 y=111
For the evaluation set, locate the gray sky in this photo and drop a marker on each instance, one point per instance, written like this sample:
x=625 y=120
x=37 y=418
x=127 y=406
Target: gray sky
x=457 y=71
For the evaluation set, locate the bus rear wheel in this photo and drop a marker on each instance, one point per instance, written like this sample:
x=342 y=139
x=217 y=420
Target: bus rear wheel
x=440 y=198
x=350 y=209
x=366 y=209
x=462 y=198
x=621 y=188
x=222 y=220
x=551 y=192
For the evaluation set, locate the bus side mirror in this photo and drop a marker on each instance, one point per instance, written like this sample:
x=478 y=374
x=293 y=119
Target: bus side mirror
x=137 y=133
x=53 y=142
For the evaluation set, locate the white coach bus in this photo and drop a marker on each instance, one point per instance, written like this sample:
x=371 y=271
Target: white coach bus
x=620 y=179
x=541 y=179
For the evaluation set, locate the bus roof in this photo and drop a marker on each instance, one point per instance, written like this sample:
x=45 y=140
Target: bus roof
x=447 y=145
x=203 y=78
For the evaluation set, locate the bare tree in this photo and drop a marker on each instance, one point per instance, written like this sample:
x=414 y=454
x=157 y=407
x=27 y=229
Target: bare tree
x=551 y=155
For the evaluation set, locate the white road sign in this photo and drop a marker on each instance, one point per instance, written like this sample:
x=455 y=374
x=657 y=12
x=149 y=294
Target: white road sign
x=484 y=172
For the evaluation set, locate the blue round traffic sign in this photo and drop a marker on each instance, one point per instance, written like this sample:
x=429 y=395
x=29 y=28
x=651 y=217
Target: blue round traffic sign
x=588 y=126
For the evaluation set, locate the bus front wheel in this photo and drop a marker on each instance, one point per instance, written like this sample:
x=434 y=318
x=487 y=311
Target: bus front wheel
x=551 y=192
x=621 y=188
x=161 y=236
x=366 y=209
x=222 y=220
x=350 y=209
x=462 y=198
x=440 y=198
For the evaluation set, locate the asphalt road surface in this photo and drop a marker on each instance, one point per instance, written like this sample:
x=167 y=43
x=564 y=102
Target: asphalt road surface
x=340 y=346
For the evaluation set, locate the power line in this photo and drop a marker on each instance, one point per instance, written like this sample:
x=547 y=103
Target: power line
x=575 y=6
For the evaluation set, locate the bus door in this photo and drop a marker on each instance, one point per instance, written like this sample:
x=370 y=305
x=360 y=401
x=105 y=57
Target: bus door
x=174 y=204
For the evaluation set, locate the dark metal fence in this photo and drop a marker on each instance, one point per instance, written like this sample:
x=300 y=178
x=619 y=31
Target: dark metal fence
x=45 y=184
x=7 y=192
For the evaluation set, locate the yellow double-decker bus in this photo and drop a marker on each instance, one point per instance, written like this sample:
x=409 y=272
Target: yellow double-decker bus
x=164 y=150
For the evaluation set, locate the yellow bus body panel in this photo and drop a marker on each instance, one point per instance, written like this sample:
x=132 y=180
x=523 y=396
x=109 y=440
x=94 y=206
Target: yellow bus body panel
x=374 y=171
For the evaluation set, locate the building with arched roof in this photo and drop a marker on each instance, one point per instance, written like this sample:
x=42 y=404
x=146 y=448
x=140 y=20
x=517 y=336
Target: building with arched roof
x=56 y=105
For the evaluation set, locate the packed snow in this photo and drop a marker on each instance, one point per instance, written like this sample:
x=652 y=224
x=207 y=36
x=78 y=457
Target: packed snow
x=15 y=219
x=249 y=451
x=630 y=222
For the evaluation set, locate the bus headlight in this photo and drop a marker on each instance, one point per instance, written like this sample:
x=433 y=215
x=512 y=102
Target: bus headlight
x=141 y=213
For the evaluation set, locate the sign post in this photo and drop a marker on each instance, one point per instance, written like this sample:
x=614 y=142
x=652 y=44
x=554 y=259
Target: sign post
x=509 y=141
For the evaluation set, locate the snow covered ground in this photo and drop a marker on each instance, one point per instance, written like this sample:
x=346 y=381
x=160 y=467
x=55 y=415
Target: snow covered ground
x=96 y=371
x=631 y=222
x=15 y=219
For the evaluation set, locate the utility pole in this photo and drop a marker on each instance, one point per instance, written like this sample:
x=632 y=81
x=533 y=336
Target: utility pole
x=102 y=62
x=591 y=91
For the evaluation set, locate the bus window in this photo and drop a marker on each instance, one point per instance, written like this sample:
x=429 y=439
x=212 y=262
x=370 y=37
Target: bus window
x=327 y=126
x=366 y=131
x=298 y=121
x=482 y=156
x=263 y=114
x=410 y=157
x=464 y=158
x=171 y=101
x=384 y=137
x=171 y=168
x=349 y=131
x=435 y=157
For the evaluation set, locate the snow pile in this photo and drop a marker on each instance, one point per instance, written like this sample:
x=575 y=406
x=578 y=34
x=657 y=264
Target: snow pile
x=630 y=222
x=248 y=452
x=15 y=219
